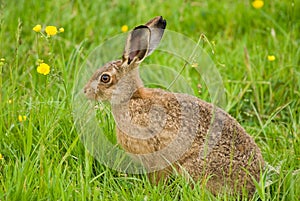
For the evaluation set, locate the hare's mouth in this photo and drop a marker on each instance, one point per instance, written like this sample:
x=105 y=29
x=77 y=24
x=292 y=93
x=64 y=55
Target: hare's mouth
x=91 y=96
x=90 y=93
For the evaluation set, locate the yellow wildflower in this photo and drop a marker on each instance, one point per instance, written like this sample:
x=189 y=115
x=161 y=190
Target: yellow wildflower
x=37 y=28
x=43 y=68
x=124 y=28
x=10 y=101
x=271 y=57
x=51 y=30
x=61 y=30
x=258 y=4
x=1 y=157
x=2 y=59
x=22 y=118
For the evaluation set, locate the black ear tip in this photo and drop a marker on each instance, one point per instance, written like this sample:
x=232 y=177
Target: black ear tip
x=162 y=23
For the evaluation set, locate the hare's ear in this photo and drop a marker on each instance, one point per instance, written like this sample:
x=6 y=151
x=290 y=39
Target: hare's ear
x=157 y=27
x=137 y=45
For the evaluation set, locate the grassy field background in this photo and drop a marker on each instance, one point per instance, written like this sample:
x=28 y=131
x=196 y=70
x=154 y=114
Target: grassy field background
x=42 y=157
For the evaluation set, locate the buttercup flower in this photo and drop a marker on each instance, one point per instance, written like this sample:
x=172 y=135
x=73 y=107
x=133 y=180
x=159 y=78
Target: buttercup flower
x=37 y=28
x=1 y=157
x=21 y=118
x=271 y=57
x=43 y=68
x=51 y=30
x=61 y=30
x=124 y=28
x=258 y=4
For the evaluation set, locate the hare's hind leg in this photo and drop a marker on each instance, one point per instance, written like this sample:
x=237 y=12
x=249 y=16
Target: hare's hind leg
x=158 y=176
x=162 y=175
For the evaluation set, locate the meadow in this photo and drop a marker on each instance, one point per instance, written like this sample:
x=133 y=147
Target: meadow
x=255 y=48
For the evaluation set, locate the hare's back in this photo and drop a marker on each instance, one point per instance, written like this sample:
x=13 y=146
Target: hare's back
x=161 y=111
x=160 y=118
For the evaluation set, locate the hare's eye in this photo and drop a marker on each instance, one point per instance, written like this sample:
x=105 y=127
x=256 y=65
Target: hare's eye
x=105 y=78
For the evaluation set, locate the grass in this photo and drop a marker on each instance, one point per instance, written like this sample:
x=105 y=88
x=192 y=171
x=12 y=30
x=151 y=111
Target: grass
x=43 y=156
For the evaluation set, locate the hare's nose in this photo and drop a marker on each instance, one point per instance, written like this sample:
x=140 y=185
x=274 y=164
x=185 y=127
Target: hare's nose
x=85 y=90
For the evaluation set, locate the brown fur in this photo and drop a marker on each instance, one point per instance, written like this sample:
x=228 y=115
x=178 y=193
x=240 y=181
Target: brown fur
x=149 y=120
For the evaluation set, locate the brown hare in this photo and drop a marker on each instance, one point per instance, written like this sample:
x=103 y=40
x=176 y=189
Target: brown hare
x=171 y=131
